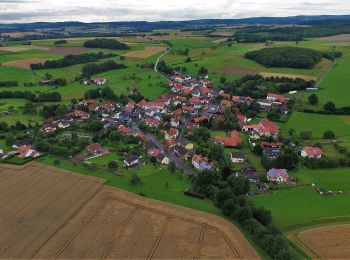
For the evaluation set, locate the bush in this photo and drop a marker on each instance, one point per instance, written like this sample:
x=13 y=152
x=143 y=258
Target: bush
x=329 y=135
x=313 y=99
x=135 y=179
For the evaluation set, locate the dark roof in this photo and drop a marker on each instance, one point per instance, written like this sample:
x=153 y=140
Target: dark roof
x=272 y=152
x=160 y=157
x=237 y=155
x=184 y=141
x=131 y=159
x=179 y=149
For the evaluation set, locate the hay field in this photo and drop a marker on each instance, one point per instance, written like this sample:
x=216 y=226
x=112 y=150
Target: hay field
x=25 y=63
x=50 y=213
x=330 y=242
x=292 y=76
x=146 y=53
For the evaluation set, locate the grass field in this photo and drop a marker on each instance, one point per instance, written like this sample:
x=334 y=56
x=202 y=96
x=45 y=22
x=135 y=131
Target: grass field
x=156 y=183
x=292 y=208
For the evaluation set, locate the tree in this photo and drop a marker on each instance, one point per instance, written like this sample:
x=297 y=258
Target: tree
x=222 y=80
x=262 y=215
x=329 y=135
x=330 y=107
x=135 y=179
x=112 y=165
x=172 y=167
x=306 y=134
x=313 y=99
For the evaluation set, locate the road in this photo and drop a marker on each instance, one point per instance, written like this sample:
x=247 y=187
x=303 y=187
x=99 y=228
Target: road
x=326 y=73
x=163 y=54
x=179 y=164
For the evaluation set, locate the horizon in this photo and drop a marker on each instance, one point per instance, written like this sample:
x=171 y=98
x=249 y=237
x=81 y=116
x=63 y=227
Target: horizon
x=25 y=11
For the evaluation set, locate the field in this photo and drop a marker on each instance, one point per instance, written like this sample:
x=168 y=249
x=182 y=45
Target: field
x=146 y=53
x=23 y=63
x=102 y=222
x=330 y=242
x=303 y=206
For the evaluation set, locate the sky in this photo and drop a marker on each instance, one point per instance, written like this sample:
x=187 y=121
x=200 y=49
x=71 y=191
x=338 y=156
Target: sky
x=25 y=11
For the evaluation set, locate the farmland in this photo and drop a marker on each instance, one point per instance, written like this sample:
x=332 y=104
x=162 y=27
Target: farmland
x=49 y=227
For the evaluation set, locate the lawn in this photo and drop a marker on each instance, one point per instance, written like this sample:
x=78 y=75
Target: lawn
x=329 y=179
x=105 y=159
x=292 y=208
x=318 y=124
x=156 y=183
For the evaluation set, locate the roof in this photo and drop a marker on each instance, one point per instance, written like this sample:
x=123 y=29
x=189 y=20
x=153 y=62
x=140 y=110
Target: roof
x=313 y=151
x=173 y=131
x=268 y=127
x=94 y=147
x=237 y=155
x=131 y=159
x=232 y=141
x=273 y=174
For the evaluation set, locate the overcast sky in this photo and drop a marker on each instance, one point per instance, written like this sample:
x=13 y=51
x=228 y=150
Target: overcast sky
x=155 y=10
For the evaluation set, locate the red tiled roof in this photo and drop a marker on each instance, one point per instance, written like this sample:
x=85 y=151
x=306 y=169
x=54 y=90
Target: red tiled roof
x=313 y=151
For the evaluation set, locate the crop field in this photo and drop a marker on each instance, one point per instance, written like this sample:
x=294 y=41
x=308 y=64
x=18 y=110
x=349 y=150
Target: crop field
x=44 y=225
x=329 y=242
x=146 y=53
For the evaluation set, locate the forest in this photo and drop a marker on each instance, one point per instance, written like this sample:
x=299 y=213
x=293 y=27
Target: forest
x=71 y=60
x=106 y=44
x=291 y=57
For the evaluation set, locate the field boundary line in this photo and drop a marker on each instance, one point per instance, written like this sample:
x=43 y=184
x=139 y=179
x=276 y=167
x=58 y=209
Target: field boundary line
x=159 y=238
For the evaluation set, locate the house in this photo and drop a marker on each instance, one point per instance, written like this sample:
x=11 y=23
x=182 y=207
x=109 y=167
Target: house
x=27 y=152
x=264 y=128
x=237 y=157
x=278 y=175
x=150 y=146
x=80 y=114
x=186 y=143
x=132 y=161
x=161 y=158
x=312 y=152
x=23 y=142
x=95 y=81
x=174 y=122
x=2 y=154
x=233 y=141
x=124 y=130
x=272 y=152
x=154 y=152
x=252 y=176
x=182 y=152
x=172 y=134
x=201 y=164
x=276 y=98
x=94 y=149
x=153 y=122
x=227 y=103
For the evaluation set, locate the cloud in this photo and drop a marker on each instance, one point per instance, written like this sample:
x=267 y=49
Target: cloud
x=156 y=10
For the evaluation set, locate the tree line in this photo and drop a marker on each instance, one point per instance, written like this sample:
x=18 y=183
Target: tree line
x=95 y=68
x=71 y=60
x=8 y=83
x=41 y=97
x=104 y=43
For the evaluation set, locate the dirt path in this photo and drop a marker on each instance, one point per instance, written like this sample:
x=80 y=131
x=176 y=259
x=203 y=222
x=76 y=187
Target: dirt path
x=51 y=213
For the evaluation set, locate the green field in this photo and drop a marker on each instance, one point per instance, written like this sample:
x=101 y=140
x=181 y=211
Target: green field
x=156 y=183
x=293 y=208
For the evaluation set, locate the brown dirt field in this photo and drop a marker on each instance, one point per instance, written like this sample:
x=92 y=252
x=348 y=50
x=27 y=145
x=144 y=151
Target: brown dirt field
x=23 y=63
x=331 y=242
x=46 y=212
x=146 y=53
x=237 y=70
x=339 y=37
x=293 y=76
x=68 y=50
x=25 y=48
x=219 y=40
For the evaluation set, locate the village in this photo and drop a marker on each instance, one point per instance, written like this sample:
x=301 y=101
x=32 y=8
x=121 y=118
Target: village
x=167 y=128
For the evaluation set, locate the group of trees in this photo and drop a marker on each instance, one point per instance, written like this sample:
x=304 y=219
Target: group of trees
x=41 y=97
x=106 y=93
x=292 y=57
x=95 y=68
x=71 y=60
x=163 y=67
x=8 y=83
x=60 y=42
x=229 y=194
x=104 y=43
x=256 y=86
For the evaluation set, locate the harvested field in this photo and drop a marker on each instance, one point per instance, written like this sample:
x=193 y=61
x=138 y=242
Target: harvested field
x=146 y=53
x=25 y=63
x=220 y=40
x=230 y=69
x=331 y=242
x=46 y=213
x=340 y=44
x=68 y=50
x=292 y=76
x=24 y=48
x=339 y=37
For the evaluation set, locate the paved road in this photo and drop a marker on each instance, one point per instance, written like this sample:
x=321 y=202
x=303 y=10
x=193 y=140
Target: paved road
x=179 y=164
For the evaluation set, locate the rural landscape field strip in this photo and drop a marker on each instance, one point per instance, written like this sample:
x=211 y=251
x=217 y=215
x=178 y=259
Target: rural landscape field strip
x=103 y=222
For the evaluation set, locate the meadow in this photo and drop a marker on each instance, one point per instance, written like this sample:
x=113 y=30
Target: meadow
x=156 y=183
